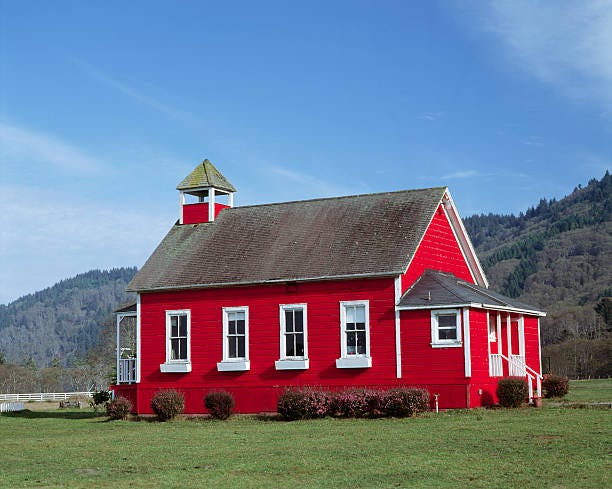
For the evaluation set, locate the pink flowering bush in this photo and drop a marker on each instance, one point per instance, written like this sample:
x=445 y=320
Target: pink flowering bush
x=308 y=403
x=555 y=386
x=119 y=408
x=167 y=404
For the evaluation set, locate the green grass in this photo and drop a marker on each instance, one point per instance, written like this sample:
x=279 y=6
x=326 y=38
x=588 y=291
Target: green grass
x=598 y=390
x=554 y=447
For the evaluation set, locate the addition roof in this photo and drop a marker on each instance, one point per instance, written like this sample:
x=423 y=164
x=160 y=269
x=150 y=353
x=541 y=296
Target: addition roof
x=344 y=237
x=205 y=175
x=435 y=289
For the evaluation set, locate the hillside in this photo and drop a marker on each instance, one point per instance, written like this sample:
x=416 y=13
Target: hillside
x=63 y=322
x=557 y=256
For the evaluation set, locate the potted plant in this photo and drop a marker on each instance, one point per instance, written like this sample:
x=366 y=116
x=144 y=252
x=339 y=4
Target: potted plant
x=536 y=399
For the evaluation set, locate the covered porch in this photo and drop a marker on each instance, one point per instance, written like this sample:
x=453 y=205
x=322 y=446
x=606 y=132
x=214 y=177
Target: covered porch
x=127 y=344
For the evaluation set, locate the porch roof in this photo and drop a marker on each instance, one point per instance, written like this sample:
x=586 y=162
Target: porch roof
x=435 y=289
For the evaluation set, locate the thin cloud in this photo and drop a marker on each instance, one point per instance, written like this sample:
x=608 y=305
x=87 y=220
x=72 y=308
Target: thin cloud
x=132 y=93
x=308 y=183
x=35 y=146
x=460 y=174
x=432 y=116
x=564 y=44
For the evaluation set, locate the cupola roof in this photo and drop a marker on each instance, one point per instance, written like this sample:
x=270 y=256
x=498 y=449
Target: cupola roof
x=205 y=175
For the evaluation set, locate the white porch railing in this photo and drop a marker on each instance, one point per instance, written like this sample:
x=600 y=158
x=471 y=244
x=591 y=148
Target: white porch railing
x=517 y=366
x=9 y=407
x=496 y=367
x=127 y=371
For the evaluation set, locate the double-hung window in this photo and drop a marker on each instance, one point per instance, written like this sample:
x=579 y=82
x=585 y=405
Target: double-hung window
x=235 y=339
x=354 y=335
x=293 y=337
x=178 y=325
x=446 y=327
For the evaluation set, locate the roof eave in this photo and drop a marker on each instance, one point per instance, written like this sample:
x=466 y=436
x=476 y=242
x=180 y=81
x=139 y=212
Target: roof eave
x=475 y=305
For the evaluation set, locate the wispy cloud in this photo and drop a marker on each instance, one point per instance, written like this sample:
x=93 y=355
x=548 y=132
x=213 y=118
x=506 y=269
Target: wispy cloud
x=432 y=116
x=133 y=93
x=460 y=174
x=309 y=184
x=38 y=147
x=565 y=44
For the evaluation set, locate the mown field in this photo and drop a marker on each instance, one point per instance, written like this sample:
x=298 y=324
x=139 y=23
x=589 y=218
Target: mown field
x=556 y=447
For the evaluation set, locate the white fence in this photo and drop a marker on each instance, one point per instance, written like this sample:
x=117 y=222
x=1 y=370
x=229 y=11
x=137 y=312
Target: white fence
x=43 y=396
x=7 y=407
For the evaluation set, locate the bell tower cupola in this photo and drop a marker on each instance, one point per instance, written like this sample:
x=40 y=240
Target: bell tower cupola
x=203 y=194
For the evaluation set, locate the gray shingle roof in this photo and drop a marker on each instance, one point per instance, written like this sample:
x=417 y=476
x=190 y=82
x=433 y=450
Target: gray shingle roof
x=374 y=234
x=437 y=289
x=205 y=175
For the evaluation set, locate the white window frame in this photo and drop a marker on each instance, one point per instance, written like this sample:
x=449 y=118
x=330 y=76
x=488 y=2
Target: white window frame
x=234 y=364
x=182 y=365
x=286 y=362
x=435 y=341
x=357 y=360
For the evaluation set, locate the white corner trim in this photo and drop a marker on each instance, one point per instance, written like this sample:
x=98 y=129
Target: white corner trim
x=354 y=362
x=467 y=353
x=178 y=367
x=289 y=364
x=398 y=345
x=239 y=366
x=138 y=349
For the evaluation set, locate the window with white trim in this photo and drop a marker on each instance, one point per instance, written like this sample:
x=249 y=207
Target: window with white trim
x=354 y=335
x=178 y=348
x=235 y=339
x=446 y=327
x=293 y=337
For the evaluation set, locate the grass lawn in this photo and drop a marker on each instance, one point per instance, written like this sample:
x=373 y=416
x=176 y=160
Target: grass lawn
x=556 y=447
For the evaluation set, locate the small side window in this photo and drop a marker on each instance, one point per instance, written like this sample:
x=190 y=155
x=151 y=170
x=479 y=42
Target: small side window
x=446 y=327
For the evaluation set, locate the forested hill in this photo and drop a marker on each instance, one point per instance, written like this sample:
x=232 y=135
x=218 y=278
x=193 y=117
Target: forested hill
x=557 y=256
x=62 y=322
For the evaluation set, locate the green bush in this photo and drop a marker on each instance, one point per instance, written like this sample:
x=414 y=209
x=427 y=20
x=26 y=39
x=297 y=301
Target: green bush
x=220 y=404
x=512 y=391
x=99 y=399
x=167 y=404
x=119 y=408
x=404 y=401
x=555 y=386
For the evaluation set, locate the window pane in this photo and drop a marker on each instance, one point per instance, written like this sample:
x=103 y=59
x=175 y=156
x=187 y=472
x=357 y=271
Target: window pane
x=183 y=325
x=231 y=327
x=289 y=321
x=350 y=326
x=447 y=320
x=240 y=326
x=360 y=314
x=447 y=334
x=174 y=349
x=289 y=346
x=361 y=342
x=183 y=349
x=299 y=320
x=232 y=346
x=351 y=348
x=241 y=353
x=350 y=314
x=174 y=326
x=299 y=345
x=360 y=326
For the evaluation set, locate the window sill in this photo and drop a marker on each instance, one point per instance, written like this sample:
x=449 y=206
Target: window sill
x=289 y=364
x=179 y=367
x=234 y=366
x=447 y=345
x=354 y=362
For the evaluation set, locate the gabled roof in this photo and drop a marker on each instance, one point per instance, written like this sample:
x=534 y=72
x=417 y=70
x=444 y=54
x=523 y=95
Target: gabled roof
x=435 y=289
x=205 y=175
x=343 y=237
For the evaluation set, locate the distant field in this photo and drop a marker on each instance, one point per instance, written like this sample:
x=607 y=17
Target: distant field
x=558 y=447
x=599 y=390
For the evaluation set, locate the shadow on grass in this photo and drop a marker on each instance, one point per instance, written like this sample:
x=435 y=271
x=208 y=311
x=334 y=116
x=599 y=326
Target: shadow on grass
x=27 y=414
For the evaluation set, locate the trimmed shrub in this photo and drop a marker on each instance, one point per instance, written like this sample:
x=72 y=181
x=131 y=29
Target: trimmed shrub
x=357 y=403
x=220 y=404
x=119 y=408
x=404 y=401
x=555 y=386
x=167 y=404
x=303 y=404
x=512 y=391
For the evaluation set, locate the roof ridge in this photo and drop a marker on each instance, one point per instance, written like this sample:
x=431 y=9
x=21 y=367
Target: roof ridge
x=479 y=290
x=435 y=277
x=339 y=197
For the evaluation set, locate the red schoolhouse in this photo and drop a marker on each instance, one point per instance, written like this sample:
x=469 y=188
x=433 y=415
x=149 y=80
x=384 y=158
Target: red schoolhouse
x=377 y=290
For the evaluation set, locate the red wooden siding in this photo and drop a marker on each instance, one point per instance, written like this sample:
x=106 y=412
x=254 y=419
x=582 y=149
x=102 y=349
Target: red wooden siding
x=438 y=250
x=198 y=213
x=256 y=390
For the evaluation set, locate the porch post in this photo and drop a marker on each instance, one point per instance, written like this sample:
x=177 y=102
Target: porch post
x=118 y=320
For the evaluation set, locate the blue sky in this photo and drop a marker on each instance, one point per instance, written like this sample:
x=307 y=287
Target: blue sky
x=106 y=106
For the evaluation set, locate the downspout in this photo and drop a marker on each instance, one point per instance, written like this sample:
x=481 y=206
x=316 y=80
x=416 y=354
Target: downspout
x=398 y=348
